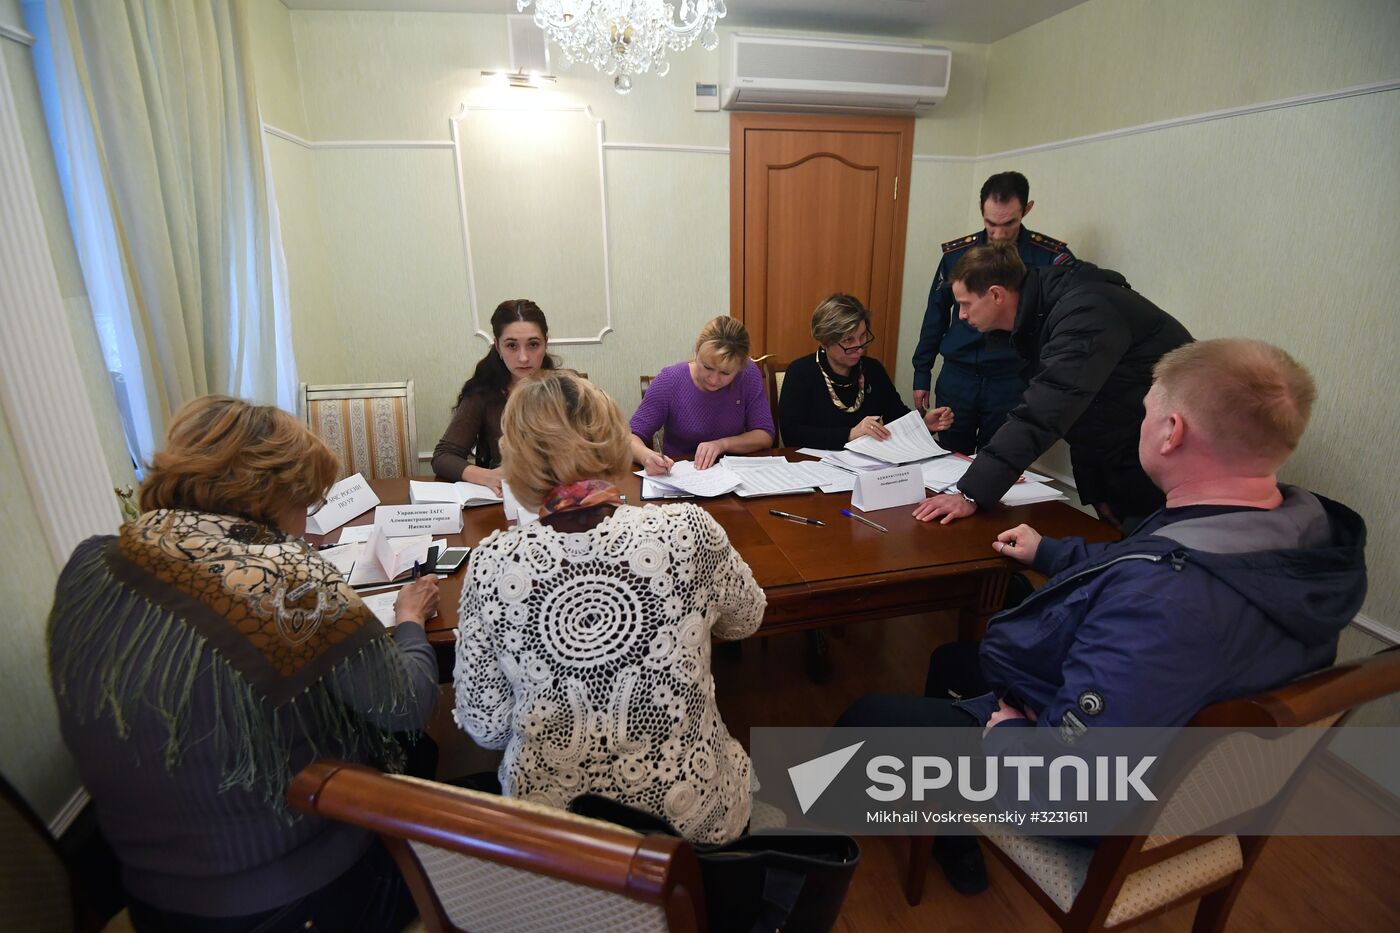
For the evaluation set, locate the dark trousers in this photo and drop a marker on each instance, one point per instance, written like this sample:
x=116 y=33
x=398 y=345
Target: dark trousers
x=371 y=897
x=979 y=403
x=953 y=672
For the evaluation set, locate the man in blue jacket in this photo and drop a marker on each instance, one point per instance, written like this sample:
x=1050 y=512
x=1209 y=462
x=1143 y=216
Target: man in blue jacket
x=1238 y=585
x=981 y=382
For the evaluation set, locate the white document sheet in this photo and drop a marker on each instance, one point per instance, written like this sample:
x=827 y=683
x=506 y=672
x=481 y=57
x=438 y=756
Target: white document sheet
x=343 y=556
x=651 y=489
x=382 y=605
x=355 y=534
x=942 y=475
x=1027 y=493
x=514 y=511
x=814 y=452
x=716 y=481
x=739 y=463
x=384 y=559
x=850 y=460
x=909 y=441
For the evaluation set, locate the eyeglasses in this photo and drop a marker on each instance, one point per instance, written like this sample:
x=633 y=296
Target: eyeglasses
x=857 y=347
x=316 y=507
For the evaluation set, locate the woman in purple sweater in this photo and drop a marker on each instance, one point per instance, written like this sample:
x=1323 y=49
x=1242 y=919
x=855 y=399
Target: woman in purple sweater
x=713 y=405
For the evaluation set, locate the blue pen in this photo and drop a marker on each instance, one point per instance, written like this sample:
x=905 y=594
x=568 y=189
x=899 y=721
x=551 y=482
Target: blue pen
x=864 y=521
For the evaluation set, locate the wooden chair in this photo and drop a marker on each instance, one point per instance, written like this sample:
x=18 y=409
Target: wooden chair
x=773 y=372
x=371 y=426
x=480 y=862
x=1127 y=879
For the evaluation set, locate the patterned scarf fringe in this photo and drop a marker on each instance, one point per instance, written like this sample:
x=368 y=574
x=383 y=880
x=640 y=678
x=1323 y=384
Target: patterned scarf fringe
x=251 y=737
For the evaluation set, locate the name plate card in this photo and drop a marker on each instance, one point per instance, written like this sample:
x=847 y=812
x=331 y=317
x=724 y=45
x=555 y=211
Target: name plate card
x=515 y=512
x=886 y=489
x=430 y=518
x=346 y=499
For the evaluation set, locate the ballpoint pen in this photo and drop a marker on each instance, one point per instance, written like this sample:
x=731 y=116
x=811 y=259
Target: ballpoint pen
x=864 y=521
x=801 y=519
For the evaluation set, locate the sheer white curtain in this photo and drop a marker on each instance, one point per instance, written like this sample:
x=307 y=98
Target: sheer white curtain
x=154 y=121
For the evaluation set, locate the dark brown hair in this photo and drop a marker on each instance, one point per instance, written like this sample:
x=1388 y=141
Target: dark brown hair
x=492 y=375
x=994 y=264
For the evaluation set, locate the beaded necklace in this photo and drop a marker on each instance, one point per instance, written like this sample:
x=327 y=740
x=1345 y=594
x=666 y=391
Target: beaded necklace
x=831 y=387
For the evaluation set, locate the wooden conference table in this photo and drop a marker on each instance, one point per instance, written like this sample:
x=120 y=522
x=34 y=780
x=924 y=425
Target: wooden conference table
x=843 y=571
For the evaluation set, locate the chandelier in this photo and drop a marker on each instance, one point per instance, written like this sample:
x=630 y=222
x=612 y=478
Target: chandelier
x=626 y=37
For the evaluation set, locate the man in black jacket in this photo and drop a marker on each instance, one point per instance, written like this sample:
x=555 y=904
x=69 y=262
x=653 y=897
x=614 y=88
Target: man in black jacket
x=1090 y=343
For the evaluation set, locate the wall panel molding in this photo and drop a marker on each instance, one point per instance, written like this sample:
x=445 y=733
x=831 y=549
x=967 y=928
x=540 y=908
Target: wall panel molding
x=587 y=112
x=15 y=34
x=1301 y=100
x=41 y=381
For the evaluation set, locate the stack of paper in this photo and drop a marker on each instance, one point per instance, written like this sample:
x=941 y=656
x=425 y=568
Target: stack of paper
x=942 y=475
x=850 y=460
x=515 y=512
x=775 y=476
x=1027 y=493
x=463 y=493
x=909 y=441
x=684 y=478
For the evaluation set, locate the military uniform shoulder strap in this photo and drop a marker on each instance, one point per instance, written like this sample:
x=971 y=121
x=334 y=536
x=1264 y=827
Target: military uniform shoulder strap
x=1047 y=242
x=960 y=243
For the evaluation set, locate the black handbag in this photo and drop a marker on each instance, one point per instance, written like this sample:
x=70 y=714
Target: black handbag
x=791 y=881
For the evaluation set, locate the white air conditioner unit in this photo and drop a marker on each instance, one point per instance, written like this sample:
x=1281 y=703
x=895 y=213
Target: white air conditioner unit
x=788 y=73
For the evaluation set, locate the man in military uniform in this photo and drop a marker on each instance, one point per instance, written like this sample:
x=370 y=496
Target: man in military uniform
x=980 y=383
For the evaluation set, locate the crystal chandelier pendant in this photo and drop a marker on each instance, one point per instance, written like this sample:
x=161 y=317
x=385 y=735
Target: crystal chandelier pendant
x=623 y=38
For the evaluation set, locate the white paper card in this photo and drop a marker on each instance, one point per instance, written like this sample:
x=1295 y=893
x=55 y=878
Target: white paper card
x=515 y=512
x=355 y=534
x=385 y=558
x=345 y=500
x=430 y=518
x=651 y=489
x=885 y=489
x=382 y=605
x=343 y=556
x=909 y=441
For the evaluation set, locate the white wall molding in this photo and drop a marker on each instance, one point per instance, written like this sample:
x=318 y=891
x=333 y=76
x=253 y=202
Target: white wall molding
x=1378 y=630
x=16 y=34
x=357 y=143
x=70 y=812
x=41 y=381
x=455 y=123
x=1300 y=100
x=668 y=147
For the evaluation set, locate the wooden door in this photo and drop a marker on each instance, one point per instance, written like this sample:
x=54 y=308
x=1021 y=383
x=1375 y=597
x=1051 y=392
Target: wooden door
x=816 y=208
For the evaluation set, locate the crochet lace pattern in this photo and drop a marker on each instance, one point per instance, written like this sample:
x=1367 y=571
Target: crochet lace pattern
x=586 y=656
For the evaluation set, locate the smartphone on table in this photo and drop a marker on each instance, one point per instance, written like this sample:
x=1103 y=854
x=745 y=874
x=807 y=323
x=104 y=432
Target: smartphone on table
x=452 y=559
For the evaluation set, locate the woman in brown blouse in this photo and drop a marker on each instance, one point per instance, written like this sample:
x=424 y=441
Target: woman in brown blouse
x=471 y=448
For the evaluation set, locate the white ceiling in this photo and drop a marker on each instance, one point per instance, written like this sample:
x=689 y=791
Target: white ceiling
x=945 y=20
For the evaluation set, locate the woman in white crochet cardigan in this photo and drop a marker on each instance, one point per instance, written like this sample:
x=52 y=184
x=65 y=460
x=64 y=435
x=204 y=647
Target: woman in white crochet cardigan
x=584 y=641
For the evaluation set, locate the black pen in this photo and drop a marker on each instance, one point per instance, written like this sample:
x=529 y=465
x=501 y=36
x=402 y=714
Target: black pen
x=795 y=518
x=416 y=571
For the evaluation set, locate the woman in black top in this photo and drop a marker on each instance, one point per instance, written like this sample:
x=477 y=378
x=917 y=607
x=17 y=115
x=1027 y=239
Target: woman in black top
x=838 y=394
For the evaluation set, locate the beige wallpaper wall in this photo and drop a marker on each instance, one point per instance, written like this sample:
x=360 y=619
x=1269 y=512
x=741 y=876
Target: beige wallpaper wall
x=1278 y=224
x=373 y=235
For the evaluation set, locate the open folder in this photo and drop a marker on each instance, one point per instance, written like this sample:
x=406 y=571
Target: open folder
x=384 y=559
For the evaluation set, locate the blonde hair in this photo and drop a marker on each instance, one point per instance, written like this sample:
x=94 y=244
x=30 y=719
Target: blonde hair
x=727 y=338
x=1250 y=397
x=836 y=317
x=226 y=456
x=559 y=428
